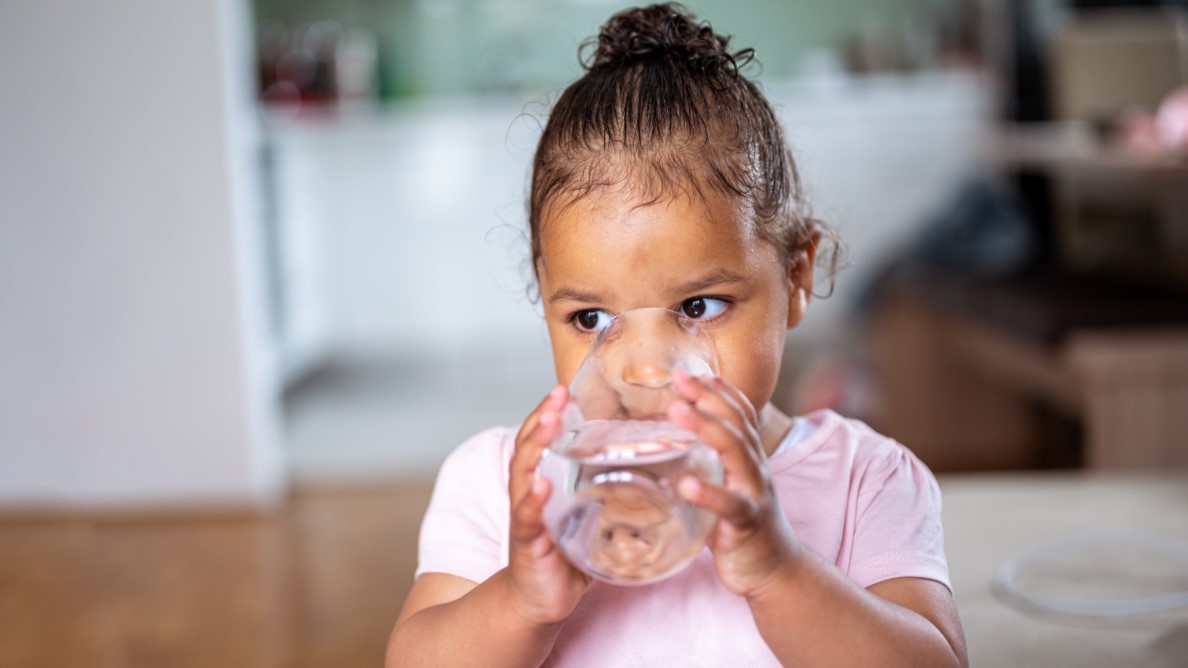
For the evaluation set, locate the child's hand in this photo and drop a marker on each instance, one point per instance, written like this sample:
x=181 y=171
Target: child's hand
x=752 y=541
x=544 y=587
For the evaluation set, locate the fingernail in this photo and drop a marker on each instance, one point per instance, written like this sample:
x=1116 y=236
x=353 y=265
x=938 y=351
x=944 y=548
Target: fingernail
x=548 y=418
x=680 y=407
x=688 y=487
x=557 y=391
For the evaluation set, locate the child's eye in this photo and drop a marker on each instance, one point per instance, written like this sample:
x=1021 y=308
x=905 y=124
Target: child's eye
x=591 y=320
x=703 y=308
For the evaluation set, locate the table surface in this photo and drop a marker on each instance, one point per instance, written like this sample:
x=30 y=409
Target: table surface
x=991 y=519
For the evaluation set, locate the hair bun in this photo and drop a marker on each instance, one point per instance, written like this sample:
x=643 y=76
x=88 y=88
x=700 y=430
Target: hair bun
x=663 y=31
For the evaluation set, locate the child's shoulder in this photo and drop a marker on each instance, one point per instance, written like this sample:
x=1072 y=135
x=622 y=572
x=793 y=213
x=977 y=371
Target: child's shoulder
x=479 y=456
x=849 y=442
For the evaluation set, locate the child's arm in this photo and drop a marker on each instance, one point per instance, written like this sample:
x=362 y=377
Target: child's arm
x=903 y=622
x=900 y=622
x=513 y=617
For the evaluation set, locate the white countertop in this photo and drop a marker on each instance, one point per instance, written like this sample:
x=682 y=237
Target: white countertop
x=990 y=519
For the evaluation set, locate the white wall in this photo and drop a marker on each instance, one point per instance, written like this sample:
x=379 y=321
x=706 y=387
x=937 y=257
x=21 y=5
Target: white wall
x=133 y=367
x=404 y=231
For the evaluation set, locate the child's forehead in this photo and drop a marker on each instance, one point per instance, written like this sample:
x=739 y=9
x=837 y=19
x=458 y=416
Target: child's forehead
x=698 y=209
x=621 y=229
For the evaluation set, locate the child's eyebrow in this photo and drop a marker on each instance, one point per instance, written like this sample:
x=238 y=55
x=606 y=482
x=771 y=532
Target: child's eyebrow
x=573 y=295
x=715 y=277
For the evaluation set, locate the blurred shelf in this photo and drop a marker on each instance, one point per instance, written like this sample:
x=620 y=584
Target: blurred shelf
x=1046 y=308
x=1074 y=147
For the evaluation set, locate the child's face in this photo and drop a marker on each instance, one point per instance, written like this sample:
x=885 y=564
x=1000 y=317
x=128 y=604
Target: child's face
x=605 y=255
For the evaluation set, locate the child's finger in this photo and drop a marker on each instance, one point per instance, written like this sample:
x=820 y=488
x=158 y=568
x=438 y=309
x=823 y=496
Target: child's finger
x=555 y=399
x=538 y=430
x=737 y=509
x=737 y=459
x=522 y=468
x=711 y=396
x=740 y=400
x=527 y=521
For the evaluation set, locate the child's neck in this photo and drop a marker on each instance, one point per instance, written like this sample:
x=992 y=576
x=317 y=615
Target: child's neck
x=774 y=425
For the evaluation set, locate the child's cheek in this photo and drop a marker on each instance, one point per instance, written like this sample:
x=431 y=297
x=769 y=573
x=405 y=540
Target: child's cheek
x=569 y=360
x=752 y=369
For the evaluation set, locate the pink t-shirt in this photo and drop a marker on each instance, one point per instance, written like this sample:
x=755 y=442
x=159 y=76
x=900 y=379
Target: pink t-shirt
x=861 y=500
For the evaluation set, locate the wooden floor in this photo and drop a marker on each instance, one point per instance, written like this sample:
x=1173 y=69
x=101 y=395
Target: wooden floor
x=318 y=583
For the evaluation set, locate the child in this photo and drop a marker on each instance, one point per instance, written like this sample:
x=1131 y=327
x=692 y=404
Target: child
x=662 y=179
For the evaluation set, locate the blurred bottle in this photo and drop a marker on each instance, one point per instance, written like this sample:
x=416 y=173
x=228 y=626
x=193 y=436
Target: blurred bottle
x=356 y=68
x=319 y=65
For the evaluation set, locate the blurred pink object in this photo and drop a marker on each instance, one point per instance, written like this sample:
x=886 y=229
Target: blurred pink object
x=1166 y=130
x=837 y=383
x=1137 y=129
x=1171 y=121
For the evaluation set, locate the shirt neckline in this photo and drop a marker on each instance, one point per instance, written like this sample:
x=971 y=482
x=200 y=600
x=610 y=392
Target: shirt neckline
x=826 y=422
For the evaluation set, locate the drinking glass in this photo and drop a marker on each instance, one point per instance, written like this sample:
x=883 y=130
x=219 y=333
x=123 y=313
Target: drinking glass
x=614 y=467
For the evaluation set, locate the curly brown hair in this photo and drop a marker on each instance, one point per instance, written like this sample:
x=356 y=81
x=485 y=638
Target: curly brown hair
x=663 y=107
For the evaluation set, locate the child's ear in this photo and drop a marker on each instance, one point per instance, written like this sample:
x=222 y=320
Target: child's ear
x=800 y=280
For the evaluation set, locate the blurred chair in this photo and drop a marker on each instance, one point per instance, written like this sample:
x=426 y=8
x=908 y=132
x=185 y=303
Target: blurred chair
x=1039 y=371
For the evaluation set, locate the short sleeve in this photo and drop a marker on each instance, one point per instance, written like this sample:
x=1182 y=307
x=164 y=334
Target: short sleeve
x=465 y=526
x=898 y=529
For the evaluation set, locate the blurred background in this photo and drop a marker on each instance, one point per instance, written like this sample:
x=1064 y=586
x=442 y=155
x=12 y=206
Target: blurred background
x=264 y=264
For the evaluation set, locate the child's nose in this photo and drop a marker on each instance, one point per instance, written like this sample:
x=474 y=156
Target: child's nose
x=645 y=373
x=649 y=358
